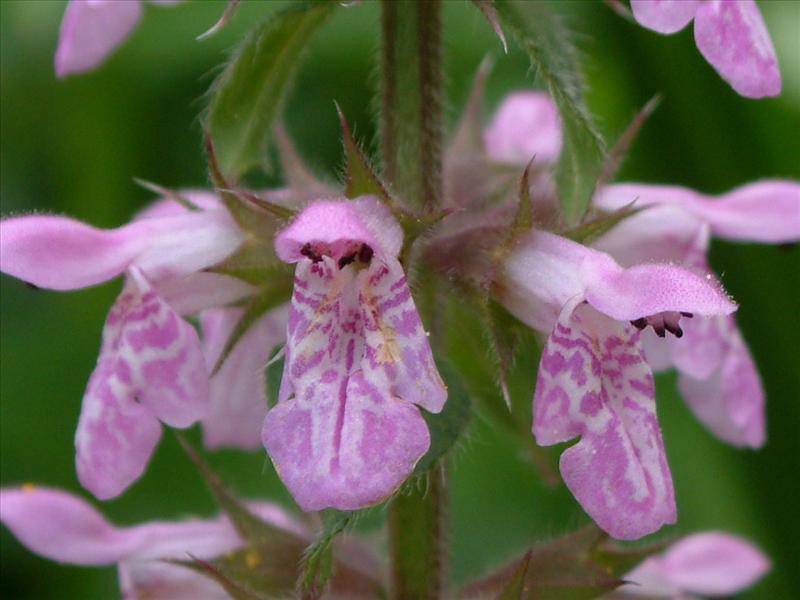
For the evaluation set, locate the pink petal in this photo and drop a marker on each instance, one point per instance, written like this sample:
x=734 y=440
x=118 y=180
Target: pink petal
x=730 y=400
x=714 y=564
x=201 y=291
x=732 y=37
x=238 y=389
x=664 y=16
x=765 y=211
x=150 y=367
x=660 y=233
x=337 y=224
x=339 y=436
x=397 y=349
x=63 y=527
x=594 y=383
x=545 y=271
x=526 y=125
x=64 y=254
x=91 y=30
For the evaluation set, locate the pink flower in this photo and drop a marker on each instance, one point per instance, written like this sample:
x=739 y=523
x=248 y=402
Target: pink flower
x=593 y=381
x=730 y=34
x=346 y=431
x=64 y=528
x=704 y=564
x=151 y=365
x=92 y=29
x=526 y=125
x=717 y=377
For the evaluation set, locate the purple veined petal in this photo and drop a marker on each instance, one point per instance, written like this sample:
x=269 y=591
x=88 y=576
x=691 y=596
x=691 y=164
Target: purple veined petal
x=63 y=527
x=594 y=383
x=334 y=226
x=91 y=30
x=397 y=348
x=732 y=37
x=64 y=254
x=525 y=125
x=714 y=563
x=664 y=16
x=202 y=291
x=151 y=367
x=338 y=437
x=238 y=389
x=730 y=400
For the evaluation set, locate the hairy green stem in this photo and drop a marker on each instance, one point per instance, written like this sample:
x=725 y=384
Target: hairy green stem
x=411 y=101
x=417 y=536
x=411 y=128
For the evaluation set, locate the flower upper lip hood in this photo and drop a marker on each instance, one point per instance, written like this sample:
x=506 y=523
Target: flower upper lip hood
x=346 y=431
x=545 y=271
x=730 y=35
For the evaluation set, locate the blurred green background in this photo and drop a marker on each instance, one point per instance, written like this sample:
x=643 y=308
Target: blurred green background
x=73 y=147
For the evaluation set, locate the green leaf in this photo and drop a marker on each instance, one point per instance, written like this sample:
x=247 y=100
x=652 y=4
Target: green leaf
x=446 y=427
x=540 y=32
x=317 y=565
x=248 y=93
x=596 y=227
x=251 y=528
x=274 y=375
x=360 y=176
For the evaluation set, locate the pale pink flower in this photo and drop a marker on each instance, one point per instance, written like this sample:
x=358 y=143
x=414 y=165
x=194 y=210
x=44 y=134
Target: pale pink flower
x=593 y=381
x=347 y=430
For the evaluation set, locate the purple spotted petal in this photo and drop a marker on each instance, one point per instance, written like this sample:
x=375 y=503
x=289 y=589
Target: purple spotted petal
x=594 y=383
x=397 y=350
x=525 y=125
x=664 y=16
x=707 y=564
x=765 y=211
x=91 y=30
x=732 y=37
x=340 y=437
x=238 y=389
x=64 y=254
x=335 y=225
x=150 y=368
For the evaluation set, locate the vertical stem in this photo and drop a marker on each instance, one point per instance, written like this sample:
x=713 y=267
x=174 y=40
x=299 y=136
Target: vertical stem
x=411 y=101
x=411 y=128
x=417 y=538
